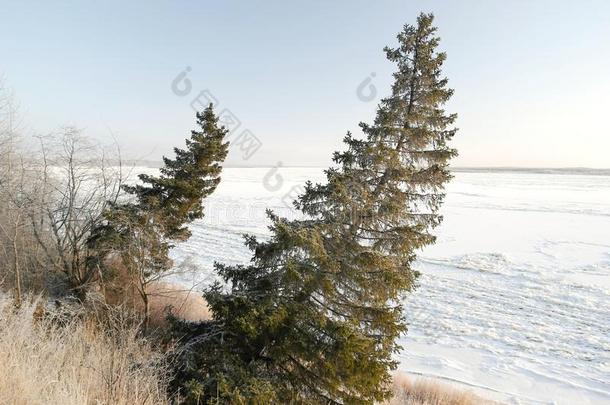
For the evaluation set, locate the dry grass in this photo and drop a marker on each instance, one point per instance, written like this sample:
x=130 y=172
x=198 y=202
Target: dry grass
x=183 y=303
x=81 y=362
x=420 y=391
x=43 y=362
x=123 y=290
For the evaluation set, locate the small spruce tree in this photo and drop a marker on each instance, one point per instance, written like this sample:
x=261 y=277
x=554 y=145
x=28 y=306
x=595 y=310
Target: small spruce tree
x=178 y=193
x=141 y=231
x=316 y=315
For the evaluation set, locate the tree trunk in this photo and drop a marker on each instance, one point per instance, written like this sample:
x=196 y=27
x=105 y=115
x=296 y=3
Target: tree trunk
x=146 y=312
x=16 y=266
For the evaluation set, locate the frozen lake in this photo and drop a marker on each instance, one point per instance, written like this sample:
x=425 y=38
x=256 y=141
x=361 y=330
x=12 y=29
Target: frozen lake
x=514 y=297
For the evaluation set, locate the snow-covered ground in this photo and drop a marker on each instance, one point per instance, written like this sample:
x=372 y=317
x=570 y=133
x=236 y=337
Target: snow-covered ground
x=514 y=300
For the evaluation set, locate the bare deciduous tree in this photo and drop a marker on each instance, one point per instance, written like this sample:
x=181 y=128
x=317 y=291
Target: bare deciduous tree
x=50 y=199
x=78 y=182
x=14 y=235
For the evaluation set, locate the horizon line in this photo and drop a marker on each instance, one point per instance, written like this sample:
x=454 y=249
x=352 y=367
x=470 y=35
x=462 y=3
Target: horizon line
x=455 y=168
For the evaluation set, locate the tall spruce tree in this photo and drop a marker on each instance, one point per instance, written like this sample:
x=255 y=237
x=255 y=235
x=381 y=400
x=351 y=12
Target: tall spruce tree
x=316 y=315
x=141 y=231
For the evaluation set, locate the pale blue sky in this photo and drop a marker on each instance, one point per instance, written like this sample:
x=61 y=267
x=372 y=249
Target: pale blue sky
x=530 y=77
